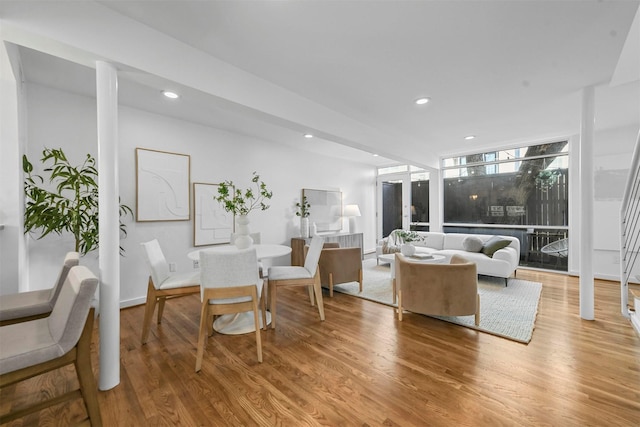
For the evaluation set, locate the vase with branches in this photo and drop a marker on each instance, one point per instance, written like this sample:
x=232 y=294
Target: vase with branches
x=241 y=202
x=67 y=201
x=303 y=211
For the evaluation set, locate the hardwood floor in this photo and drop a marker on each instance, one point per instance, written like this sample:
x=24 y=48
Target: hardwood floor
x=361 y=367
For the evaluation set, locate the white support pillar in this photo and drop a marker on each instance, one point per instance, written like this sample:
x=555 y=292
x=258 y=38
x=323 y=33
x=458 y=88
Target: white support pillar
x=586 y=203
x=107 y=106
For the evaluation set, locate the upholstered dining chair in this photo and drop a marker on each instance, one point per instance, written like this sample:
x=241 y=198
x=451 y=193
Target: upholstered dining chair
x=23 y=306
x=308 y=275
x=256 y=240
x=37 y=346
x=340 y=265
x=163 y=285
x=437 y=289
x=229 y=284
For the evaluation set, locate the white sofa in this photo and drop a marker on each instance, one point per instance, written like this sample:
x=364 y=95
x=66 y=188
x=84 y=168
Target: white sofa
x=503 y=263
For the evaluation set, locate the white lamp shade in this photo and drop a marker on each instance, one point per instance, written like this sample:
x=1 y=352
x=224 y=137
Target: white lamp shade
x=351 y=210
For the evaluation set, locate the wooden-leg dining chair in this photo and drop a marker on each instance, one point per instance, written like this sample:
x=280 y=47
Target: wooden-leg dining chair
x=37 y=346
x=230 y=284
x=163 y=285
x=23 y=306
x=308 y=275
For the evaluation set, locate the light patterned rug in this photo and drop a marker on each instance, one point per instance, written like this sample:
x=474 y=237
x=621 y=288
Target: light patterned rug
x=508 y=312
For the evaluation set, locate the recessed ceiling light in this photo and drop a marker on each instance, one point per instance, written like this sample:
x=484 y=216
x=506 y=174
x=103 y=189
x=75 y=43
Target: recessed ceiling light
x=308 y=135
x=375 y=155
x=169 y=94
x=422 y=101
x=469 y=137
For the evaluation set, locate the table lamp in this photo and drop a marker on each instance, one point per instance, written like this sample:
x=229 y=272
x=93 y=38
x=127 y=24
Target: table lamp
x=351 y=212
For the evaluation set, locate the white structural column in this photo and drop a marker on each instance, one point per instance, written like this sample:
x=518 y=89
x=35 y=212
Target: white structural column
x=107 y=106
x=586 y=203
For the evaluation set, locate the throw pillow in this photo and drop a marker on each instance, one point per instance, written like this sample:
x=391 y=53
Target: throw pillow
x=494 y=244
x=388 y=248
x=472 y=244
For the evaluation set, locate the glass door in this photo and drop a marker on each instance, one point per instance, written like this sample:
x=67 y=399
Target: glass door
x=393 y=203
x=403 y=202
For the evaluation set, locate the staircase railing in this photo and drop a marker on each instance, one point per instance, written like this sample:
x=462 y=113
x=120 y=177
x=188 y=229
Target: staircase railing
x=630 y=235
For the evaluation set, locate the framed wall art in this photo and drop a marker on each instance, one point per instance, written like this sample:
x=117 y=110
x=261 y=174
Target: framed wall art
x=212 y=225
x=162 y=186
x=325 y=210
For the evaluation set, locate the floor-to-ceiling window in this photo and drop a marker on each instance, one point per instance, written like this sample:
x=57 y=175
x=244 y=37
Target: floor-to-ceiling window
x=521 y=192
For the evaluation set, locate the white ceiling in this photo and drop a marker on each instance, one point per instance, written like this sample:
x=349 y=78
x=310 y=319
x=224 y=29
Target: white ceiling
x=507 y=72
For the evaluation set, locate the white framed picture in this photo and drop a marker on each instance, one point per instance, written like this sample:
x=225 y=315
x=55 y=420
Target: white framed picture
x=212 y=225
x=162 y=186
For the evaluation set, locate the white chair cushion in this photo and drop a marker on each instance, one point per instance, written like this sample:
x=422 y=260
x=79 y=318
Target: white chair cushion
x=24 y=304
x=181 y=280
x=283 y=272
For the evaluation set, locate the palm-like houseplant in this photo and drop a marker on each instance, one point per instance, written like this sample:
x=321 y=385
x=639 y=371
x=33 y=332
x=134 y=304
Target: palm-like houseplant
x=68 y=203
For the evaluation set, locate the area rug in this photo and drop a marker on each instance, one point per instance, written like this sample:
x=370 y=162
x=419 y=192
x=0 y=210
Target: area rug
x=508 y=312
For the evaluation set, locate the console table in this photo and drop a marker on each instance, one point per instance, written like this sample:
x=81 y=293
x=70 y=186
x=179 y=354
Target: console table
x=346 y=240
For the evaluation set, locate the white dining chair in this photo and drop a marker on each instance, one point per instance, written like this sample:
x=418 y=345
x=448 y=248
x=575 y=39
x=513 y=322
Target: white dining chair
x=63 y=338
x=163 y=284
x=229 y=284
x=308 y=275
x=23 y=306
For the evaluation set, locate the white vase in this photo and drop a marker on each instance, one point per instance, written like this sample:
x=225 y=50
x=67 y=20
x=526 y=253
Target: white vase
x=244 y=240
x=407 y=249
x=304 y=227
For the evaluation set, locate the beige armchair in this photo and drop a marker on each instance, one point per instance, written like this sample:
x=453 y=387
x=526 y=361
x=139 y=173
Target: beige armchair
x=340 y=265
x=437 y=289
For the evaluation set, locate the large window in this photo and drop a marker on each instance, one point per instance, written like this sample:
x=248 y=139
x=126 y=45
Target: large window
x=521 y=192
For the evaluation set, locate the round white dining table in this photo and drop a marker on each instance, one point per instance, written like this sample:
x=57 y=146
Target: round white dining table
x=242 y=323
x=263 y=251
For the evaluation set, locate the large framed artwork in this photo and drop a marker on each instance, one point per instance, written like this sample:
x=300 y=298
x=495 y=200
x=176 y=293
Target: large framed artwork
x=212 y=225
x=162 y=186
x=325 y=210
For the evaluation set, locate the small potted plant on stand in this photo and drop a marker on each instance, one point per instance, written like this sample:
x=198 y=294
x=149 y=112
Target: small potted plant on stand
x=241 y=202
x=303 y=213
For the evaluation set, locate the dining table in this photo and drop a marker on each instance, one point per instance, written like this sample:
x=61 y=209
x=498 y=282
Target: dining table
x=242 y=323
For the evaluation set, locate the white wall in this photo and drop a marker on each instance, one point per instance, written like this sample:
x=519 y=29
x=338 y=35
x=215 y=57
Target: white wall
x=612 y=158
x=60 y=119
x=12 y=129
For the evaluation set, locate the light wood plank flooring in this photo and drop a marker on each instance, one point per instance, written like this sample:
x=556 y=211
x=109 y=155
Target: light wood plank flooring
x=361 y=367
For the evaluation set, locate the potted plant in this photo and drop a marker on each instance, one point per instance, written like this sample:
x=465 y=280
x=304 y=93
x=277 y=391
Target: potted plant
x=303 y=212
x=241 y=202
x=407 y=238
x=69 y=203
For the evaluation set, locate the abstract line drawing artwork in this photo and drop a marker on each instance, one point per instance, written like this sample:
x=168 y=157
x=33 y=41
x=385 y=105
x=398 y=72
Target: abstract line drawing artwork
x=162 y=186
x=212 y=225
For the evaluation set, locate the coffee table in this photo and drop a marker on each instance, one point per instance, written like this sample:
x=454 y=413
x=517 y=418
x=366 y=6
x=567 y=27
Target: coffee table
x=391 y=259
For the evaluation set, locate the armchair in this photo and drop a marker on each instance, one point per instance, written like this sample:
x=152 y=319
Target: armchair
x=340 y=265
x=437 y=289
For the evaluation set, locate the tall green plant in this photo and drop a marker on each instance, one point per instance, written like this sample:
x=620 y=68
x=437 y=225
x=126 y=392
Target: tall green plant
x=69 y=203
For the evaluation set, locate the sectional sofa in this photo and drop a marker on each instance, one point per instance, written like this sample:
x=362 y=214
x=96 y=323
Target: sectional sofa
x=477 y=248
